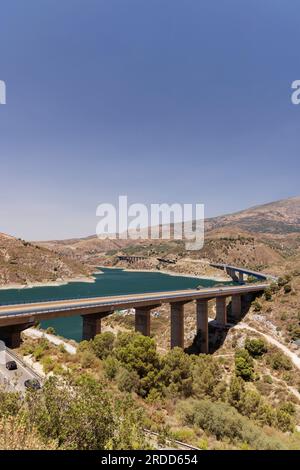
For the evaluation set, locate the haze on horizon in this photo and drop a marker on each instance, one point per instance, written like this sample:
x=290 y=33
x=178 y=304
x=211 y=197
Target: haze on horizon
x=168 y=101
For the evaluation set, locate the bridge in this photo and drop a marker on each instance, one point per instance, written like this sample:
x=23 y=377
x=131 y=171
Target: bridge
x=16 y=318
x=237 y=274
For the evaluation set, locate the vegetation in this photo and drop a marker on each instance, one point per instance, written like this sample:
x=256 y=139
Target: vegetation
x=104 y=398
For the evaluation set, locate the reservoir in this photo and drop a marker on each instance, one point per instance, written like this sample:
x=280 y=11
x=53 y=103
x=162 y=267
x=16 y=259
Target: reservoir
x=109 y=281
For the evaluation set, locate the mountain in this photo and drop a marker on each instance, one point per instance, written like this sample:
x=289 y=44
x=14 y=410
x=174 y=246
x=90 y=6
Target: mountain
x=22 y=262
x=280 y=217
x=256 y=237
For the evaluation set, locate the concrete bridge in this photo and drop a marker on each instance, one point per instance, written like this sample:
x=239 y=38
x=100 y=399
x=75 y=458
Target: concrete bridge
x=237 y=274
x=15 y=318
x=131 y=259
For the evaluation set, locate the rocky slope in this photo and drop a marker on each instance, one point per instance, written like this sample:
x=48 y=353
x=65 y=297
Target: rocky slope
x=257 y=237
x=22 y=262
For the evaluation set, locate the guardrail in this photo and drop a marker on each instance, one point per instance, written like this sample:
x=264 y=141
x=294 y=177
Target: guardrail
x=26 y=366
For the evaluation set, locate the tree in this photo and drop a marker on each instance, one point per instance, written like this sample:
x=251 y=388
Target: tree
x=244 y=366
x=255 y=347
x=236 y=391
x=137 y=352
x=176 y=372
x=82 y=416
x=102 y=345
x=207 y=377
x=128 y=380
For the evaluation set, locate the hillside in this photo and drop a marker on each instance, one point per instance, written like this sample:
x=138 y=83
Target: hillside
x=257 y=237
x=279 y=217
x=22 y=263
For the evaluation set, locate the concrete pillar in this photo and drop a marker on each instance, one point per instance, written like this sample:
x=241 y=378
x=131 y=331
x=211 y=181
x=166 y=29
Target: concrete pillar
x=11 y=335
x=91 y=325
x=221 y=313
x=241 y=278
x=236 y=307
x=142 y=320
x=202 y=324
x=177 y=325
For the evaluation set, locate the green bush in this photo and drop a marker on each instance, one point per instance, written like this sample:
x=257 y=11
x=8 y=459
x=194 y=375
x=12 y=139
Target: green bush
x=87 y=359
x=111 y=366
x=138 y=353
x=82 y=416
x=127 y=380
x=224 y=422
x=50 y=330
x=287 y=288
x=244 y=366
x=257 y=306
x=255 y=347
x=102 y=345
x=207 y=377
x=279 y=361
x=176 y=373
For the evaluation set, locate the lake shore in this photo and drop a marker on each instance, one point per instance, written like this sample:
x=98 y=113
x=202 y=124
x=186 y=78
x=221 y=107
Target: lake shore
x=57 y=283
x=218 y=278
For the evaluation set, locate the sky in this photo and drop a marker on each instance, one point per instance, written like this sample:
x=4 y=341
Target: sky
x=161 y=100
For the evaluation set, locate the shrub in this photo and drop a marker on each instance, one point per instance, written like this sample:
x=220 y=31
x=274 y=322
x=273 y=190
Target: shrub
x=255 y=347
x=137 y=352
x=176 y=372
x=48 y=364
x=279 y=361
x=102 y=345
x=87 y=359
x=282 y=281
x=82 y=416
x=50 y=330
x=268 y=294
x=257 y=306
x=224 y=422
x=111 y=366
x=128 y=381
x=287 y=288
x=207 y=377
x=244 y=365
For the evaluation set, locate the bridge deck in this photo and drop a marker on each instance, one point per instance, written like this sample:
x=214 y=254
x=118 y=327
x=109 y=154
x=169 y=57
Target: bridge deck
x=14 y=314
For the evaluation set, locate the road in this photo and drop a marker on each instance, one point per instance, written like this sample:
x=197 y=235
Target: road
x=43 y=310
x=13 y=380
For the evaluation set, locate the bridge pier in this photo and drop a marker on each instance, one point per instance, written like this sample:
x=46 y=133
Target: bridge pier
x=142 y=320
x=11 y=335
x=231 y=272
x=241 y=277
x=177 y=324
x=202 y=324
x=236 y=307
x=91 y=325
x=221 y=312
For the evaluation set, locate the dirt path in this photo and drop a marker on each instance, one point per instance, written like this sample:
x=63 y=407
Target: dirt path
x=34 y=333
x=294 y=358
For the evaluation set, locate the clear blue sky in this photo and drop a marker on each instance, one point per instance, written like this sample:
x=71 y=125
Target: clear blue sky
x=162 y=100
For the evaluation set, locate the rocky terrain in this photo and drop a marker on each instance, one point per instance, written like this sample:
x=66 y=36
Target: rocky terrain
x=258 y=238
x=24 y=263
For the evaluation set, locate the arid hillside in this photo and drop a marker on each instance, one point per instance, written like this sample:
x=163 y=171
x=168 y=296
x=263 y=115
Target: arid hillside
x=279 y=217
x=22 y=262
x=258 y=237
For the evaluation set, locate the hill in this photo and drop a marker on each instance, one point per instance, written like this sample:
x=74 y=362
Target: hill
x=258 y=238
x=22 y=263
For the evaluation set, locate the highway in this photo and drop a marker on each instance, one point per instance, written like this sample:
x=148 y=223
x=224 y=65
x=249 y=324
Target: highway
x=13 y=380
x=12 y=314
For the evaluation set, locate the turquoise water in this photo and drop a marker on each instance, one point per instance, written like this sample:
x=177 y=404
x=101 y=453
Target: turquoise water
x=110 y=282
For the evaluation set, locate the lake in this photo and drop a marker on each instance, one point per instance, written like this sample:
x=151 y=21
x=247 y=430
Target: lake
x=109 y=281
